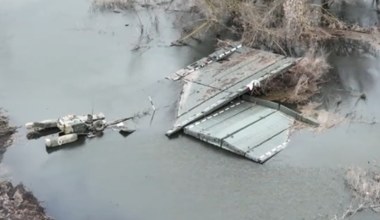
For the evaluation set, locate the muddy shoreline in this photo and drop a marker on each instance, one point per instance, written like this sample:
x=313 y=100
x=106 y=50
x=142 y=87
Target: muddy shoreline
x=16 y=202
x=147 y=170
x=6 y=132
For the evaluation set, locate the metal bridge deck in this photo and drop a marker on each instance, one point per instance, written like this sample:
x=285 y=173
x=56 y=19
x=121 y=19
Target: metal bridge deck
x=245 y=128
x=211 y=109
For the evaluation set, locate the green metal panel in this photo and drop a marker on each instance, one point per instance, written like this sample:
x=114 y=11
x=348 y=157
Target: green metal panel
x=269 y=148
x=259 y=132
x=245 y=128
x=225 y=113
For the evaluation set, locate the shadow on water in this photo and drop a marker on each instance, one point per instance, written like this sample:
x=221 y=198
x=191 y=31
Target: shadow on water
x=356 y=73
x=37 y=134
x=362 y=13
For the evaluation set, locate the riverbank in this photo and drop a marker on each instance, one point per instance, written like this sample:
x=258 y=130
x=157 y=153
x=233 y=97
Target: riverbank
x=15 y=201
x=18 y=203
x=6 y=133
x=118 y=178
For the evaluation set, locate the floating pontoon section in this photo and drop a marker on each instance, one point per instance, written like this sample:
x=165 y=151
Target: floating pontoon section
x=211 y=110
x=254 y=128
x=209 y=87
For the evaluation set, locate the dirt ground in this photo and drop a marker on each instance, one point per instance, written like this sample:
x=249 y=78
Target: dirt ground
x=16 y=203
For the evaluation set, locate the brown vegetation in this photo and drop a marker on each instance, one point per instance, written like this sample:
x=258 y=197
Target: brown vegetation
x=365 y=188
x=289 y=27
x=325 y=119
x=301 y=82
x=276 y=25
x=16 y=203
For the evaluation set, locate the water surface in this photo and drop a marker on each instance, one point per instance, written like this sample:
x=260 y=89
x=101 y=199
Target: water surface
x=57 y=57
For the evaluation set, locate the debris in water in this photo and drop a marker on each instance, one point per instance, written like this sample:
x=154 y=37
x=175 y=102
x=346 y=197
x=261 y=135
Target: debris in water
x=365 y=188
x=151 y=102
x=70 y=127
x=124 y=129
x=325 y=118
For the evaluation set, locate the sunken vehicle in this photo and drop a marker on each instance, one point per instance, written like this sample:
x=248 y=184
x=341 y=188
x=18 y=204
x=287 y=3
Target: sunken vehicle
x=71 y=127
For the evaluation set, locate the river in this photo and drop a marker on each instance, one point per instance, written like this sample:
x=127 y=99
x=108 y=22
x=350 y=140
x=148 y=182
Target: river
x=59 y=57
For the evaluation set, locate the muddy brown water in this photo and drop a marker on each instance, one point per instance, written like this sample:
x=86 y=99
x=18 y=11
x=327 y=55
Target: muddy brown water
x=57 y=57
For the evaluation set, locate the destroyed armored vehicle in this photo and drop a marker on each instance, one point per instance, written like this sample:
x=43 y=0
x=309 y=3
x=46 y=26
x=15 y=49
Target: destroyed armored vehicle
x=69 y=127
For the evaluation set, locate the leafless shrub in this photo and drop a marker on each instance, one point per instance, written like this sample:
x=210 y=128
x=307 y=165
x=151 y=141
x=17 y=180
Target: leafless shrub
x=308 y=75
x=301 y=82
x=365 y=188
x=262 y=24
x=325 y=119
x=208 y=16
x=277 y=25
x=364 y=184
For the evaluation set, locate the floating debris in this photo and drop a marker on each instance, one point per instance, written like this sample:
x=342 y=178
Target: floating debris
x=124 y=128
x=71 y=127
x=218 y=55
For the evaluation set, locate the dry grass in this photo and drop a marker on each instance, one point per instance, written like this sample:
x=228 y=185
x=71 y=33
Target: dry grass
x=205 y=16
x=365 y=188
x=325 y=119
x=278 y=25
x=263 y=24
x=307 y=75
x=301 y=82
x=364 y=184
